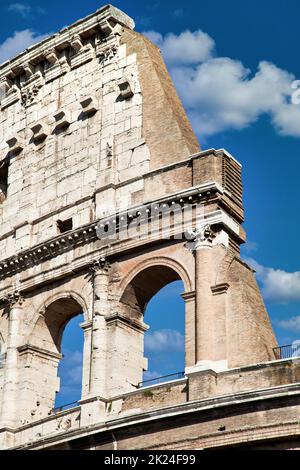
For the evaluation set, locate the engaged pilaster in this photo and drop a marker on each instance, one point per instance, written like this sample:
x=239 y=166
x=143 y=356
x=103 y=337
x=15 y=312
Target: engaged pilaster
x=9 y=411
x=209 y=351
x=101 y=307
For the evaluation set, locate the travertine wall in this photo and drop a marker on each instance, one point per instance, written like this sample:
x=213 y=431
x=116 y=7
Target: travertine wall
x=120 y=139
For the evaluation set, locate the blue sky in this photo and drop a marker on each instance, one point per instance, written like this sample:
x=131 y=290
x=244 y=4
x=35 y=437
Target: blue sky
x=233 y=64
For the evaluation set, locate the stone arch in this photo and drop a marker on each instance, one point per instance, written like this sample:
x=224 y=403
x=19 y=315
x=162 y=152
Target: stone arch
x=164 y=262
x=52 y=318
x=142 y=281
x=145 y=280
x=41 y=355
x=70 y=294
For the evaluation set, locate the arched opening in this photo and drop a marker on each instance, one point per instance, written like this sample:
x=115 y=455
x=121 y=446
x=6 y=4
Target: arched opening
x=70 y=366
x=153 y=296
x=57 y=342
x=165 y=339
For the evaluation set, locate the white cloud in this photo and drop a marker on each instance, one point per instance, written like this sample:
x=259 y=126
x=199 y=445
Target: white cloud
x=186 y=48
x=277 y=285
x=220 y=93
x=292 y=324
x=164 y=340
x=18 y=43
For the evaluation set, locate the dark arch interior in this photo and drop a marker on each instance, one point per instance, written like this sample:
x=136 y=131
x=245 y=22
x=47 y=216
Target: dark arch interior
x=146 y=284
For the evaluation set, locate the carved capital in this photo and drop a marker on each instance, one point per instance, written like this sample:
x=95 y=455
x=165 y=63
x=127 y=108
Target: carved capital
x=200 y=237
x=101 y=266
x=14 y=300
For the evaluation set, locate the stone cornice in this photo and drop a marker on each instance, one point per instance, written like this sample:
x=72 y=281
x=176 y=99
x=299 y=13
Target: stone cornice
x=88 y=233
x=104 y=19
x=249 y=398
x=116 y=318
x=29 y=348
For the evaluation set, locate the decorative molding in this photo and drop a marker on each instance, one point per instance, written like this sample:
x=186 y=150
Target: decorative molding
x=51 y=56
x=117 y=318
x=189 y=296
x=83 y=54
x=105 y=18
x=12 y=95
x=106 y=54
x=76 y=43
x=29 y=348
x=106 y=27
x=87 y=325
x=30 y=89
x=220 y=288
x=56 y=69
x=53 y=247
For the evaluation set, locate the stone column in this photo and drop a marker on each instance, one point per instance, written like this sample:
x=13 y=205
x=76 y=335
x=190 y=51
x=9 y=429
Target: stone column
x=9 y=411
x=101 y=310
x=202 y=246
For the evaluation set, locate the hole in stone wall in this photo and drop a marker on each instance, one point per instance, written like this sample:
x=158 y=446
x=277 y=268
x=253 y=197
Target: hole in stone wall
x=3 y=180
x=70 y=366
x=65 y=225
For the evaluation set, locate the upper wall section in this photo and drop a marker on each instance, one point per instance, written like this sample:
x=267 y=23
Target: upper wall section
x=90 y=107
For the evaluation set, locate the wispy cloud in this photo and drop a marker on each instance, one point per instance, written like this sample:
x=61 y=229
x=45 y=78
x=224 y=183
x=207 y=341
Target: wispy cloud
x=25 y=10
x=292 y=324
x=18 y=43
x=164 y=340
x=277 y=285
x=178 y=13
x=250 y=247
x=151 y=375
x=21 y=8
x=220 y=93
